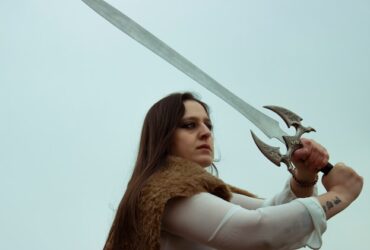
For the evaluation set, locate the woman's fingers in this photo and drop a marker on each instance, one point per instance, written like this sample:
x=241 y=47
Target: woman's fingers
x=311 y=156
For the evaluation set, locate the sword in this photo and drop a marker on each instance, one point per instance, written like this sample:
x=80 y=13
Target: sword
x=269 y=126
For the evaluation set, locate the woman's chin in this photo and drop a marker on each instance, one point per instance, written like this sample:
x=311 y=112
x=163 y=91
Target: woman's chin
x=204 y=161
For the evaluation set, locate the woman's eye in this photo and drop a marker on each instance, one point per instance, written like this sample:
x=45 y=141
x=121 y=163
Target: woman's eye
x=192 y=125
x=188 y=125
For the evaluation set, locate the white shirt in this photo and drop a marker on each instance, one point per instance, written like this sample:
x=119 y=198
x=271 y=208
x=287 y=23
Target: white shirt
x=205 y=221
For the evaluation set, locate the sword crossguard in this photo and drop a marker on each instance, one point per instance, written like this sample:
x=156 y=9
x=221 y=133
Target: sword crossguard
x=292 y=143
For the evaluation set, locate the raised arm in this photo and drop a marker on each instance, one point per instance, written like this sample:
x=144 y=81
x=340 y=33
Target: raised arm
x=217 y=223
x=211 y=221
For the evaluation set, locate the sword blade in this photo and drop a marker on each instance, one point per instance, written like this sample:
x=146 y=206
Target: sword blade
x=269 y=126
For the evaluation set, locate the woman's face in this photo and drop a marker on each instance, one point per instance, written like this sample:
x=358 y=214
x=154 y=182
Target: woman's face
x=193 y=138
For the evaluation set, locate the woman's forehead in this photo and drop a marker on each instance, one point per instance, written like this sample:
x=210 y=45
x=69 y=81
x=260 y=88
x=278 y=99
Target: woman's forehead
x=194 y=109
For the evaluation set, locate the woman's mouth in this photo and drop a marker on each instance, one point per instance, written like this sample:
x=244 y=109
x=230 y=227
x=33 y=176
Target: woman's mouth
x=205 y=146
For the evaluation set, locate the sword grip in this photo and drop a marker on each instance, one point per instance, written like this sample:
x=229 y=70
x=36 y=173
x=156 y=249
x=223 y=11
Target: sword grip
x=327 y=168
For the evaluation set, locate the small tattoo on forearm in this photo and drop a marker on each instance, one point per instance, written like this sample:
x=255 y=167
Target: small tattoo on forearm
x=337 y=200
x=330 y=204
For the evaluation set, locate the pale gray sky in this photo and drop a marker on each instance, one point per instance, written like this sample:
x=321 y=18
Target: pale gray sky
x=74 y=91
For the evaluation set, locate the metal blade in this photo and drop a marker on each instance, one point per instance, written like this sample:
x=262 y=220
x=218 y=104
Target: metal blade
x=266 y=124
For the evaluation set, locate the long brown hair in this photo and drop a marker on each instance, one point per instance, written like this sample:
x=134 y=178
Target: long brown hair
x=159 y=126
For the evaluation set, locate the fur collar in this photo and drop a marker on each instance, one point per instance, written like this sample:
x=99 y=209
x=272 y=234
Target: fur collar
x=176 y=178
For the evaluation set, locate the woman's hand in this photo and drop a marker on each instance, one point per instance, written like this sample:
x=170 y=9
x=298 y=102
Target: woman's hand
x=344 y=180
x=309 y=159
x=343 y=186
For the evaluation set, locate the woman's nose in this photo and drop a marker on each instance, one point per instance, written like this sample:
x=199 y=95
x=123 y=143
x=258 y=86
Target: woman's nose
x=205 y=132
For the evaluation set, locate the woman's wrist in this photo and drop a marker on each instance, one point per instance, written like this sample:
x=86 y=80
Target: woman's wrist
x=299 y=190
x=332 y=203
x=305 y=183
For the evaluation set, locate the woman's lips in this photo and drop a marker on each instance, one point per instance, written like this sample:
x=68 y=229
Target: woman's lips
x=205 y=146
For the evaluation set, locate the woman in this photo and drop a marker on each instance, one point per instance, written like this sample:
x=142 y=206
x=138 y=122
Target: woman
x=172 y=202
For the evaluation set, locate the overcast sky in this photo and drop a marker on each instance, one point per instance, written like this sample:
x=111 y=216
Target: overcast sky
x=74 y=91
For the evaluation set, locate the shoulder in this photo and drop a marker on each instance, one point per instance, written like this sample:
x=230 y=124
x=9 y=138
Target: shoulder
x=183 y=178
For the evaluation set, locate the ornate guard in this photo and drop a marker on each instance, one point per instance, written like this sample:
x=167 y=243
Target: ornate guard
x=292 y=143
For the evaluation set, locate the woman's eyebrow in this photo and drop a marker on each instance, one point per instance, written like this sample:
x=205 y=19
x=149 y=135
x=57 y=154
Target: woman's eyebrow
x=206 y=119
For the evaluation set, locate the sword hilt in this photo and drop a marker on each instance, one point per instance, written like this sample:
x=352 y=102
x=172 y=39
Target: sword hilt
x=292 y=143
x=327 y=168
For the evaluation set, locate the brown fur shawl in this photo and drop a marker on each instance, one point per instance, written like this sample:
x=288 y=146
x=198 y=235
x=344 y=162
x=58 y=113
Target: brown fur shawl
x=177 y=178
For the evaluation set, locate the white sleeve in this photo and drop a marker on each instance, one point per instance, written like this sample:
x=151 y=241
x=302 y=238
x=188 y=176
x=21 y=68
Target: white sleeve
x=209 y=220
x=285 y=196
